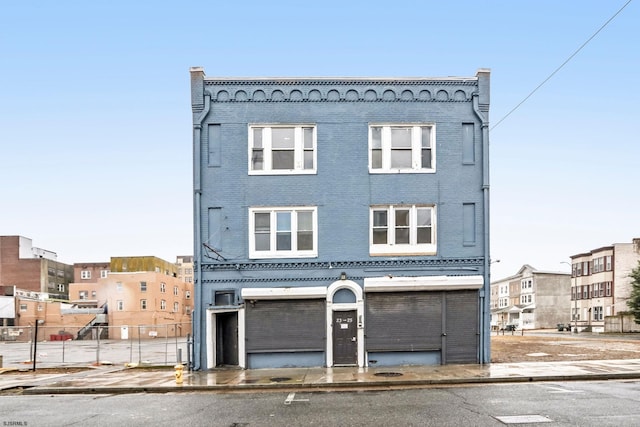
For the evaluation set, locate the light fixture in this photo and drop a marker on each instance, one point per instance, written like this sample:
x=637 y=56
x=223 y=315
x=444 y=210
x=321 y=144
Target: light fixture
x=343 y=276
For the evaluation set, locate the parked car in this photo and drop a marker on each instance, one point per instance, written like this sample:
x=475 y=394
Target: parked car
x=564 y=327
x=511 y=328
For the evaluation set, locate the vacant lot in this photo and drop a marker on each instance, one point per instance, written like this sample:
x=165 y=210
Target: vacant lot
x=533 y=348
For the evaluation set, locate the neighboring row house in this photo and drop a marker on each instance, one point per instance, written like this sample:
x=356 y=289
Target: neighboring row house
x=600 y=284
x=340 y=221
x=530 y=299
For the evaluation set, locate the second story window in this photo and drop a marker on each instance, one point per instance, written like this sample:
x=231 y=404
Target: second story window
x=283 y=232
x=143 y=286
x=85 y=274
x=282 y=149
x=402 y=229
x=401 y=148
x=163 y=287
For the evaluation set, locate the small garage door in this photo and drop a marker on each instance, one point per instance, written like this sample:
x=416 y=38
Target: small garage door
x=403 y=321
x=285 y=325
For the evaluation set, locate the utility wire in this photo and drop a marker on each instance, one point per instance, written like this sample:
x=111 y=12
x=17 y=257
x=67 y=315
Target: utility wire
x=562 y=65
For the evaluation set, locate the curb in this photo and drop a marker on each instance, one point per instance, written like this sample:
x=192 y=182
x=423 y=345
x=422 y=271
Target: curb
x=316 y=387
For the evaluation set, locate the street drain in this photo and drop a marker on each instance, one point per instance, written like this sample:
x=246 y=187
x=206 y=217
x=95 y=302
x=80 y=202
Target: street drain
x=388 y=374
x=279 y=379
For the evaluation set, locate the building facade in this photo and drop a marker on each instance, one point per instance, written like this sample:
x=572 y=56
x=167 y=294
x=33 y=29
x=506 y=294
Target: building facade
x=146 y=299
x=600 y=283
x=34 y=269
x=340 y=221
x=531 y=299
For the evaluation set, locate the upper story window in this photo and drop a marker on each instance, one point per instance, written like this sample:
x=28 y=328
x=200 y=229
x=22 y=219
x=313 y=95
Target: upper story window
x=85 y=274
x=163 y=287
x=143 y=286
x=282 y=149
x=402 y=148
x=403 y=229
x=104 y=274
x=283 y=232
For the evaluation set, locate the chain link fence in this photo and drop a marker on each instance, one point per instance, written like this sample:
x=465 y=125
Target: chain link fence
x=166 y=344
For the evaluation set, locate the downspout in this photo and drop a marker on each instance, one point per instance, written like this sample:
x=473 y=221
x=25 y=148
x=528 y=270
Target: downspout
x=198 y=319
x=484 y=302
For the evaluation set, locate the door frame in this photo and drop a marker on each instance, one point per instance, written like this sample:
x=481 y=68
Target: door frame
x=357 y=306
x=211 y=334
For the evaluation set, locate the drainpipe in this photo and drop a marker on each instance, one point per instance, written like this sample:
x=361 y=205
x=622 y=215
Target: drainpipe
x=482 y=111
x=198 y=318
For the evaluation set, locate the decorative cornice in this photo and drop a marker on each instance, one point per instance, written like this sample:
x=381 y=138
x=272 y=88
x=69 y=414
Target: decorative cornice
x=447 y=263
x=341 y=91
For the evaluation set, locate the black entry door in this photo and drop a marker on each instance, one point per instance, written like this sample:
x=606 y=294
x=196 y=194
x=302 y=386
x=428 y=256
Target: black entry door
x=227 y=339
x=345 y=338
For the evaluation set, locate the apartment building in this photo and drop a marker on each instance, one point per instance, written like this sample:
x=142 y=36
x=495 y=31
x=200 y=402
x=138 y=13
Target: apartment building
x=600 y=283
x=340 y=221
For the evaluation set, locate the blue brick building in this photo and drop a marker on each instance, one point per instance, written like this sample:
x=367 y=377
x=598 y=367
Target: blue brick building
x=340 y=221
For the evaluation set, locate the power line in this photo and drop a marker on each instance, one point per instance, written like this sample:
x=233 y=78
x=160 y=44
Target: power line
x=562 y=65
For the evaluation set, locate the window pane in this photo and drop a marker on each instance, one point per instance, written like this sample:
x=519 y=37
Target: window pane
x=262 y=242
x=402 y=236
x=262 y=222
x=400 y=158
x=426 y=158
x=426 y=137
x=376 y=137
x=305 y=240
x=376 y=159
x=424 y=217
x=308 y=159
x=257 y=138
x=282 y=159
x=283 y=241
x=379 y=218
x=305 y=222
x=283 y=220
x=401 y=137
x=380 y=236
x=402 y=217
x=257 y=159
x=282 y=138
x=308 y=138
x=424 y=235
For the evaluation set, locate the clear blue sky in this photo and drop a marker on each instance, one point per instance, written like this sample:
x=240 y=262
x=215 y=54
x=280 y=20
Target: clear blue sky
x=95 y=120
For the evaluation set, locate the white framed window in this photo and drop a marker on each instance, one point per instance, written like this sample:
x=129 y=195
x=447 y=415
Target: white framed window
x=143 y=304
x=175 y=290
x=120 y=305
x=104 y=274
x=187 y=294
x=176 y=307
x=402 y=148
x=163 y=304
x=402 y=229
x=143 y=286
x=85 y=274
x=282 y=149
x=83 y=295
x=23 y=307
x=283 y=232
x=60 y=287
x=163 y=287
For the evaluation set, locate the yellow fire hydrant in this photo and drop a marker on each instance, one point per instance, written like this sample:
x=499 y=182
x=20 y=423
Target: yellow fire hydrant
x=178 y=374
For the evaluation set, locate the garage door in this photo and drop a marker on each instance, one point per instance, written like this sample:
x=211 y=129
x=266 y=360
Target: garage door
x=403 y=321
x=285 y=325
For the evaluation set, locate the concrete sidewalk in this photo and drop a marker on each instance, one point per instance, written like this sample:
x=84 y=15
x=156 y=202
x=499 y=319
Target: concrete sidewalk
x=112 y=379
